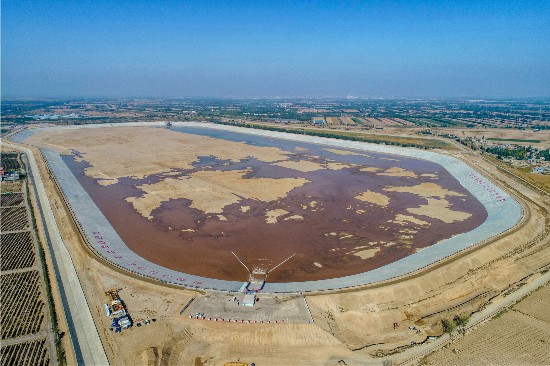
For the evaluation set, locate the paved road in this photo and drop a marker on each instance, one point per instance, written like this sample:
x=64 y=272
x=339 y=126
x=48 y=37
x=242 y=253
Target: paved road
x=82 y=329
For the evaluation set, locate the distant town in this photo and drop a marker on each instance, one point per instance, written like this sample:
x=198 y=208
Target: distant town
x=496 y=127
x=349 y=113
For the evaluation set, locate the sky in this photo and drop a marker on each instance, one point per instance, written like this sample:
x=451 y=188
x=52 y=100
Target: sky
x=275 y=48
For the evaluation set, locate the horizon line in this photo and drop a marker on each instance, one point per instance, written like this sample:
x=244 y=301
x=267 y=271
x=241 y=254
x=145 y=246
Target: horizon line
x=229 y=97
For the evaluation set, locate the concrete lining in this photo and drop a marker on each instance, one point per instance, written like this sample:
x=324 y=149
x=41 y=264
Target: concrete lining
x=504 y=212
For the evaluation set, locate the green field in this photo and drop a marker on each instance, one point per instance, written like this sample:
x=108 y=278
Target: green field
x=512 y=140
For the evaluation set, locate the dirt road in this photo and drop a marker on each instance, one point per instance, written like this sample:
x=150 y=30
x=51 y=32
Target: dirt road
x=88 y=347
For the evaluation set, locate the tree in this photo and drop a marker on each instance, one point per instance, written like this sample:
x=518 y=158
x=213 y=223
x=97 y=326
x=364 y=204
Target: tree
x=448 y=326
x=460 y=321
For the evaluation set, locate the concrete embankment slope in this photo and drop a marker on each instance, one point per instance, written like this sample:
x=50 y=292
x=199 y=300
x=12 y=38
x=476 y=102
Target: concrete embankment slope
x=504 y=212
x=82 y=329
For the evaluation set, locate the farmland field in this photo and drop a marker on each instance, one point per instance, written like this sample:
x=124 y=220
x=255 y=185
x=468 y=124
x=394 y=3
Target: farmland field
x=380 y=138
x=333 y=121
x=13 y=218
x=32 y=353
x=11 y=187
x=365 y=122
x=24 y=319
x=539 y=139
x=11 y=199
x=512 y=140
x=519 y=336
x=22 y=304
x=347 y=121
x=17 y=251
x=537 y=304
x=9 y=161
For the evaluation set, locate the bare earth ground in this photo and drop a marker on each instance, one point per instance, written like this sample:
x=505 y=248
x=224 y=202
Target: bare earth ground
x=508 y=133
x=501 y=133
x=360 y=320
x=228 y=307
x=505 y=133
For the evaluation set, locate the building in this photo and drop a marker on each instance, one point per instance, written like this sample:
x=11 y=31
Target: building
x=249 y=300
x=10 y=177
x=318 y=120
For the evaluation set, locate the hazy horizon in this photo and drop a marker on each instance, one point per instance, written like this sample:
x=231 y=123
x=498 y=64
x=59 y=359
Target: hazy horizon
x=430 y=49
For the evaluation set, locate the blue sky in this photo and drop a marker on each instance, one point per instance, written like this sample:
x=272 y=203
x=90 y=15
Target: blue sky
x=275 y=48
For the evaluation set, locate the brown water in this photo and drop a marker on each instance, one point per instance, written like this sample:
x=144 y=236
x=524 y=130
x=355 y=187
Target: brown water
x=207 y=251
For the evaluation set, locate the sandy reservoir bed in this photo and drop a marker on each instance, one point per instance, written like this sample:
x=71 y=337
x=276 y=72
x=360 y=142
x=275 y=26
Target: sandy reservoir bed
x=186 y=198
